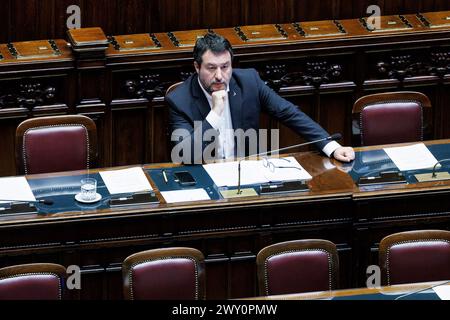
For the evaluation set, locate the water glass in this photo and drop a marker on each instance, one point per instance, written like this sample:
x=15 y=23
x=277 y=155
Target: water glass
x=88 y=189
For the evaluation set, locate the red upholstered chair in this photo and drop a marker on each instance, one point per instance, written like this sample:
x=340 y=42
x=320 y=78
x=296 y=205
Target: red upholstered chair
x=415 y=256
x=57 y=143
x=164 y=274
x=297 y=266
x=392 y=117
x=37 y=281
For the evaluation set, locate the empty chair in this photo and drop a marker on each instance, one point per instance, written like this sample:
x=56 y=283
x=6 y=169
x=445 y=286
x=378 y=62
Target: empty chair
x=57 y=143
x=37 y=281
x=297 y=266
x=392 y=117
x=164 y=274
x=415 y=256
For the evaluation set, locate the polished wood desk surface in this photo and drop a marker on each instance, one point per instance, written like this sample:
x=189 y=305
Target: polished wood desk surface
x=400 y=189
x=330 y=182
x=399 y=290
x=229 y=232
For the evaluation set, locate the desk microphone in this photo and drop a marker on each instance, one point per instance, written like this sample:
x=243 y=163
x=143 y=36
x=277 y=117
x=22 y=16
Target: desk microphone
x=335 y=136
x=433 y=174
x=423 y=289
x=44 y=201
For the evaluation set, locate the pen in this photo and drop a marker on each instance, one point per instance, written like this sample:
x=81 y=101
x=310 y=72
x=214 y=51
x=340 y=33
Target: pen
x=165 y=176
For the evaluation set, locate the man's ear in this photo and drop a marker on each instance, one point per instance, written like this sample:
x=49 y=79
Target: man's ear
x=196 y=66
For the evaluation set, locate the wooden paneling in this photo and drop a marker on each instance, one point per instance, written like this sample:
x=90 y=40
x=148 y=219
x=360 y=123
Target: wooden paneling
x=124 y=90
x=23 y=20
x=31 y=20
x=129 y=127
x=7 y=145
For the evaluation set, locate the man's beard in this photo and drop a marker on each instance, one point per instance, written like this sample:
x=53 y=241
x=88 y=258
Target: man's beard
x=210 y=89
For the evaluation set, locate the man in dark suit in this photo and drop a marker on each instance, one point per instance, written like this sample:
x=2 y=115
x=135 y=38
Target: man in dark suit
x=208 y=109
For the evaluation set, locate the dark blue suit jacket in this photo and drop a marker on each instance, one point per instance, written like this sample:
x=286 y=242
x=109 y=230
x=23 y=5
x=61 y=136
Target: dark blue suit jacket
x=248 y=96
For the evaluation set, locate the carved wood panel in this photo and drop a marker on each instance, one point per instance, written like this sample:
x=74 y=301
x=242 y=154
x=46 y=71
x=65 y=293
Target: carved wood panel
x=41 y=19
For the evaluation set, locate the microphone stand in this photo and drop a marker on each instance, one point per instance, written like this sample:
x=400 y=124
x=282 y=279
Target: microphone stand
x=435 y=176
x=336 y=136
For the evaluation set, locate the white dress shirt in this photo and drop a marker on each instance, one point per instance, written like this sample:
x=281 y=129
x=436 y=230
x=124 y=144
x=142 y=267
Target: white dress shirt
x=224 y=126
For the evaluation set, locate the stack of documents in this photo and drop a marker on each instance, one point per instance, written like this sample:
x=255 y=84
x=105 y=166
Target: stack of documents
x=185 y=195
x=15 y=189
x=255 y=172
x=126 y=180
x=443 y=292
x=413 y=157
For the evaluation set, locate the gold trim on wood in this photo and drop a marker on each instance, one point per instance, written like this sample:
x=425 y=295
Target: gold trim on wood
x=135 y=42
x=185 y=38
x=435 y=19
x=271 y=32
x=34 y=49
x=388 y=24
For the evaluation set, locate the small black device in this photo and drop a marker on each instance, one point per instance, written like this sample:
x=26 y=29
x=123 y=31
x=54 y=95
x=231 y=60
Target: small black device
x=383 y=178
x=184 y=178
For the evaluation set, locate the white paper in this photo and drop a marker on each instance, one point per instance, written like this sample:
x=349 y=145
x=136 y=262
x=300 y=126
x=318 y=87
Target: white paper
x=15 y=188
x=443 y=292
x=254 y=172
x=126 y=180
x=185 y=195
x=412 y=157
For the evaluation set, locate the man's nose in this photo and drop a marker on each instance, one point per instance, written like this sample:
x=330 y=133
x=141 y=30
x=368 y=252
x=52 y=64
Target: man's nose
x=218 y=74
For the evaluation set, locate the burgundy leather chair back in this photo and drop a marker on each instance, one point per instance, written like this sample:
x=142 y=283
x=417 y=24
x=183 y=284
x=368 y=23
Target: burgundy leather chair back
x=164 y=274
x=415 y=256
x=39 y=281
x=52 y=144
x=386 y=118
x=297 y=266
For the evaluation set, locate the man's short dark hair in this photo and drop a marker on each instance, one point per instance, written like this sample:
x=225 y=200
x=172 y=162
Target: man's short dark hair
x=211 y=41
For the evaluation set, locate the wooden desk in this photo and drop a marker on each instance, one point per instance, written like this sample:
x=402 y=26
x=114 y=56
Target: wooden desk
x=229 y=232
x=396 y=208
x=399 y=292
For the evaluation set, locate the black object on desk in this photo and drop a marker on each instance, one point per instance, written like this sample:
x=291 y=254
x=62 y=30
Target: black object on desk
x=19 y=208
x=184 y=178
x=134 y=199
x=283 y=187
x=384 y=178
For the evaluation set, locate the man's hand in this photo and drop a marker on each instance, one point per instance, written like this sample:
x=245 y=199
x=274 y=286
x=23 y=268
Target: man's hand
x=344 y=154
x=218 y=101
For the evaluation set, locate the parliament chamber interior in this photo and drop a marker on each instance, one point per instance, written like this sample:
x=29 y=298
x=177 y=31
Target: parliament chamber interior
x=83 y=88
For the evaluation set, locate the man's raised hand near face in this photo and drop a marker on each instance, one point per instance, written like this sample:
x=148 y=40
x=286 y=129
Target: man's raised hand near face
x=218 y=101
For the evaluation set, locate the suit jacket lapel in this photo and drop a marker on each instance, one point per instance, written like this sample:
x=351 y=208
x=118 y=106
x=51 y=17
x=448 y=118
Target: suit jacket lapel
x=199 y=98
x=235 y=100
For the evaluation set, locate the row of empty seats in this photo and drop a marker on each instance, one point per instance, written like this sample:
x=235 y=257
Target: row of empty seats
x=63 y=143
x=288 y=267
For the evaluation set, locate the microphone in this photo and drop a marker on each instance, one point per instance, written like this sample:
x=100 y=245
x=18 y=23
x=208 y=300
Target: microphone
x=433 y=174
x=44 y=201
x=423 y=289
x=335 y=136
